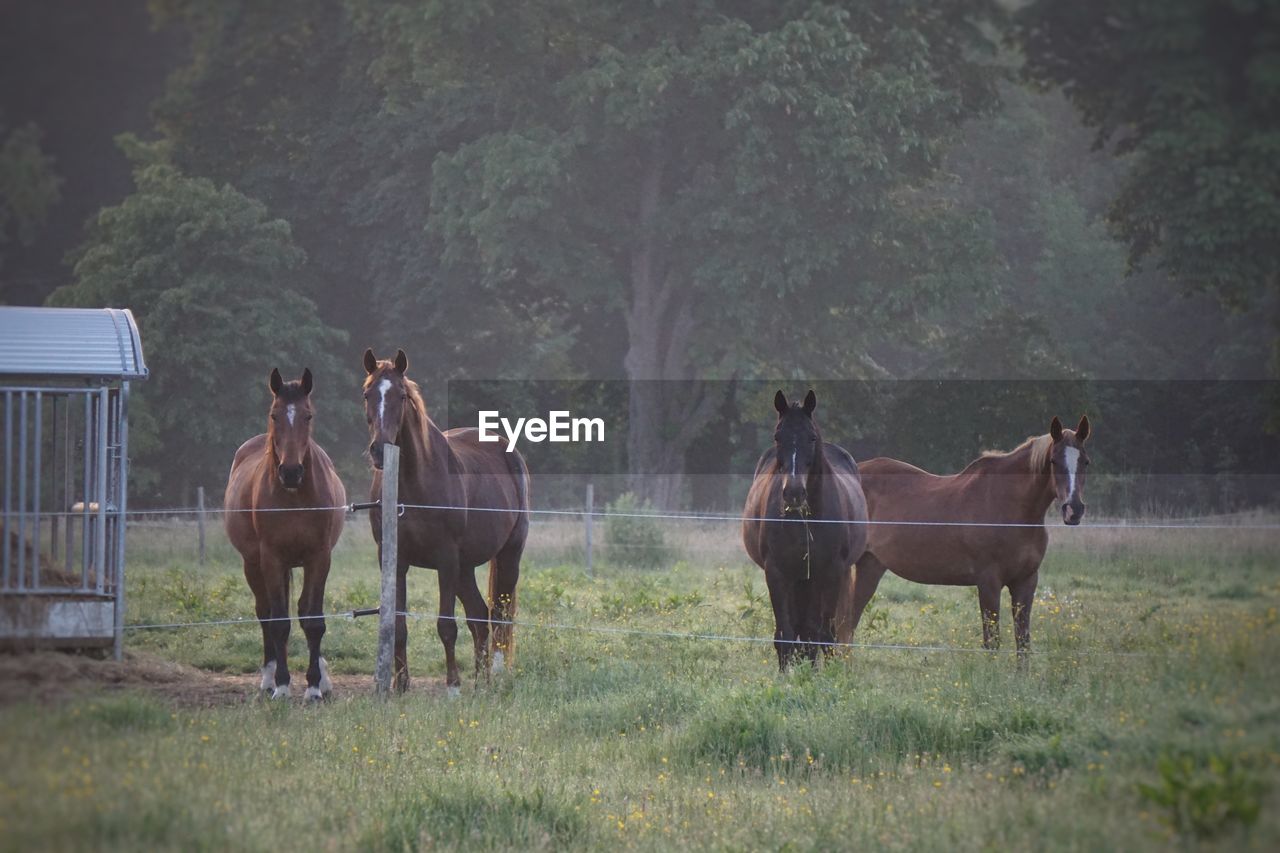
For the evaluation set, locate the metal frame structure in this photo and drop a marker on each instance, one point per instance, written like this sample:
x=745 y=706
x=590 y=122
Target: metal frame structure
x=64 y=377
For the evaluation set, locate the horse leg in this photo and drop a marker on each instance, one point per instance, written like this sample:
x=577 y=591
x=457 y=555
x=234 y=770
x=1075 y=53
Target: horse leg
x=826 y=608
x=1022 y=593
x=275 y=576
x=446 y=626
x=262 y=609
x=311 y=615
x=400 y=660
x=989 y=604
x=866 y=577
x=780 y=597
x=805 y=609
x=477 y=618
x=504 y=573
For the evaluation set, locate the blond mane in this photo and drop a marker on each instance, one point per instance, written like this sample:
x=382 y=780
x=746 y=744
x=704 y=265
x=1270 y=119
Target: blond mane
x=417 y=405
x=1039 y=446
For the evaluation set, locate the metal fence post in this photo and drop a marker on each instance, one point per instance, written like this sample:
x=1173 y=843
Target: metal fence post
x=200 y=520
x=390 y=526
x=590 y=500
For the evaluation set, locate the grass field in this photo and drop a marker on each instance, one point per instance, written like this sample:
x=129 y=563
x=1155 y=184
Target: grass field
x=1150 y=716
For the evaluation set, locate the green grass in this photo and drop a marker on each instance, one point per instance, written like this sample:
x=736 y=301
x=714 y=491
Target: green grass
x=1153 y=646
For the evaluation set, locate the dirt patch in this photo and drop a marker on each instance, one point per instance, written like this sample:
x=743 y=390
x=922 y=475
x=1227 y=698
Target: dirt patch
x=49 y=677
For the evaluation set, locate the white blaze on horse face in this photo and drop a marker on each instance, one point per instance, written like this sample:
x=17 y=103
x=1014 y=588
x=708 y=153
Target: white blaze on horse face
x=384 y=386
x=290 y=411
x=793 y=463
x=1071 y=456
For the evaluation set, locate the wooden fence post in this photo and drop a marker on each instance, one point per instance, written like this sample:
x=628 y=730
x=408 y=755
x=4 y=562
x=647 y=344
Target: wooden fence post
x=590 y=500
x=200 y=519
x=390 y=527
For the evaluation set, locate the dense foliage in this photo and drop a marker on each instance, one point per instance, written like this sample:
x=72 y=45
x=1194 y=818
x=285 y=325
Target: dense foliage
x=1190 y=89
x=207 y=273
x=706 y=191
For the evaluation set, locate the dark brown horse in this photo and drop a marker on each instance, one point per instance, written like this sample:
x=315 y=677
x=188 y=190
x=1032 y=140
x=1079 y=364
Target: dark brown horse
x=282 y=470
x=1014 y=488
x=813 y=490
x=489 y=488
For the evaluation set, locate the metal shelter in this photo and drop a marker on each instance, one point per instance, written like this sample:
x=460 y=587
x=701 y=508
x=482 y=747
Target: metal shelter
x=64 y=376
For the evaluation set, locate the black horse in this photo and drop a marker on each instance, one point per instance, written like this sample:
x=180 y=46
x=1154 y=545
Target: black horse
x=796 y=526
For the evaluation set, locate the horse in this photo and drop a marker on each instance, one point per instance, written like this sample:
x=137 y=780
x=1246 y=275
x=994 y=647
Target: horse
x=804 y=523
x=1013 y=488
x=479 y=494
x=285 y=506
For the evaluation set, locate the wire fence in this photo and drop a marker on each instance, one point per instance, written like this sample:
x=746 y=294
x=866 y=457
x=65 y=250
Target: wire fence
x=159 y=517
x=647 y=633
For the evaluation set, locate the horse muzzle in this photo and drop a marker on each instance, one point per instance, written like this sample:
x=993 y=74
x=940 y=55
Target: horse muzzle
x=1072 y=513
x=291 y=476
x=375 y=455
x=799 y=507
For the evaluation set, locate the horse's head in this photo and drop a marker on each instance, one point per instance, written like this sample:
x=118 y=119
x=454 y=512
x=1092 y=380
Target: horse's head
x=386 y=398
x=289 y=428
x=798 y=444
x=1069 y=462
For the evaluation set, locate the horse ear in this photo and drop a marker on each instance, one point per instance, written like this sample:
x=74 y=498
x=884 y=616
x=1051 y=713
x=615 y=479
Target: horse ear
x=275 y=382
x=810 y=402
x=1055 y=429
x=402 y=361
x=307 y=382
x=370 y=361
x=780 y=403
x=1082 y=431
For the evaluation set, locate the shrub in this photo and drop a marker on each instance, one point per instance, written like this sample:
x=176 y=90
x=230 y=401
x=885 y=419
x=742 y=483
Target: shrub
x=1204 y=796
x=633 y=540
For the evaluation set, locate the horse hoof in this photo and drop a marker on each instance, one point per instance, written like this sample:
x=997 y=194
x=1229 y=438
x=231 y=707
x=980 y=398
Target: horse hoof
x=315 y=694
x=280 y=691
x=499 y=662
x=454 y=691
x=268 y=682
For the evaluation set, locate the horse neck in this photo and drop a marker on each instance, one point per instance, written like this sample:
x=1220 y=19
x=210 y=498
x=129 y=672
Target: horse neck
x=1031 y=491
x=424 y=454
x=819 y=475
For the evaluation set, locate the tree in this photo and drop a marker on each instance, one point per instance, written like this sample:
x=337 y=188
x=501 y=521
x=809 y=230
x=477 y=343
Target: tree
x=723 y=187
x=211 y=278
x=29 y=185
x=1189 y=91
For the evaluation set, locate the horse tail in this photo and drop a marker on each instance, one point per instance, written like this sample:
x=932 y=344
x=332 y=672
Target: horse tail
x=504 y=571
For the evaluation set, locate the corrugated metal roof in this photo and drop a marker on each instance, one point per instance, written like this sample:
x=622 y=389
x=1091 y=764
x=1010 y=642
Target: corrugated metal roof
x=67 y=343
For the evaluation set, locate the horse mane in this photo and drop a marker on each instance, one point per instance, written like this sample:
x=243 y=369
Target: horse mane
x=417 y=406
x=1039 y=446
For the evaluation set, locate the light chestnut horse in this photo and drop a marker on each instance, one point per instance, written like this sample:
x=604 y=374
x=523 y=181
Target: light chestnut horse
x=804 y=523
x=277 y=479
x=1014 y=488
x=486 y=491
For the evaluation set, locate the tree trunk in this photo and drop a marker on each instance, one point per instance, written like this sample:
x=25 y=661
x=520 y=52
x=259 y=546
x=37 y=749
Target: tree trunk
x=667 y=405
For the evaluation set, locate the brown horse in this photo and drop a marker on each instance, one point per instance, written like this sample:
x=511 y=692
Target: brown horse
x=1014 y=488
x=489 y=487
x=273 y=473
x=813 y=490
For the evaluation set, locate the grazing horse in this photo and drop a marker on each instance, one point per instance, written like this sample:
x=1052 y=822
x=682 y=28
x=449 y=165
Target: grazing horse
x=1014 y=488
x=813 y=490
x=282 y=470
x=487 y=491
